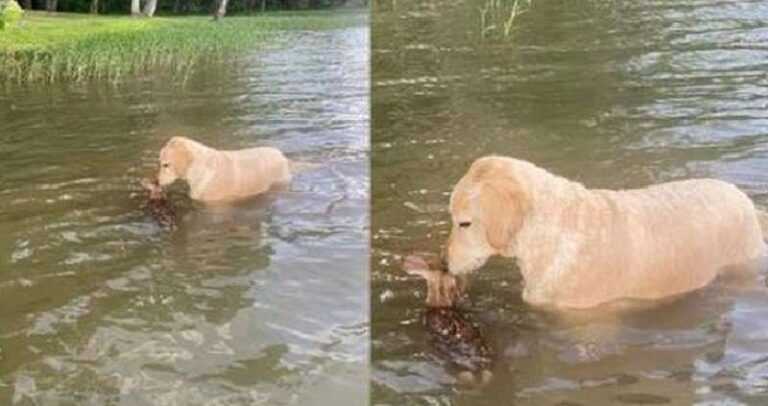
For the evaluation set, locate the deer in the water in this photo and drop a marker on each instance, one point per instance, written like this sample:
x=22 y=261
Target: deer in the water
x=158 y=205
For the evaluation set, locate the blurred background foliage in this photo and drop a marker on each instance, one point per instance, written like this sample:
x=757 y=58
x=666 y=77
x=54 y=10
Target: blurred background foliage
x=184 y=6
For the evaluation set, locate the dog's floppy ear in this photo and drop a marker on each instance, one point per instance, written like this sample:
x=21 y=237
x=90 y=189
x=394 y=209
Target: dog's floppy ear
x=502 y=207
x=179 y=154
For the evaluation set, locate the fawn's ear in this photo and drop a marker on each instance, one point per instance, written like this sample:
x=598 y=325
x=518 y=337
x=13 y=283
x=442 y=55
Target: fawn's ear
x=442 y=288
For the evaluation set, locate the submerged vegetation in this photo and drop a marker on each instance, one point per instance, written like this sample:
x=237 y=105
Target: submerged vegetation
x=51 y=47
x=497 y=17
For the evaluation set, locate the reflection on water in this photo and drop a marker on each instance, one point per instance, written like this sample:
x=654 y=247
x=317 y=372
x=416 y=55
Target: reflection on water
x=613 y=94
x=261 y=302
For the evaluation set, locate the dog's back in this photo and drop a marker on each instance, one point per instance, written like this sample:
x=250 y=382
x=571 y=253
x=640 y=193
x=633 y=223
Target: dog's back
x=251 y=171
x=656 y=242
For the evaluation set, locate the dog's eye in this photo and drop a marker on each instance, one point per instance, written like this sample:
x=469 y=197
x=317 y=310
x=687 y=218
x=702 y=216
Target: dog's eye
x=465 y=224
x=165 y=165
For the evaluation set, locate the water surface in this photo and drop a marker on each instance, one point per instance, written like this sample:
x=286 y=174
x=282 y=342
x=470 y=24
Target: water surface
x=613 y=94
x=263 y=302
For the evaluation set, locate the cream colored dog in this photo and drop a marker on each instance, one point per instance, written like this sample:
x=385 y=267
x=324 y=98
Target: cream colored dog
x=579 y=247
x=215 y=175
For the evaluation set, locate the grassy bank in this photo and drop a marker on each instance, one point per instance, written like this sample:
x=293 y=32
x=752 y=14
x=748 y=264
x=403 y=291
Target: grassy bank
x=52 y=47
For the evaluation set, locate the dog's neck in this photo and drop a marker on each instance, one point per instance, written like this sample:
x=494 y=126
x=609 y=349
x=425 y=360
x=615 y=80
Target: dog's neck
x=545 y=189
x=202 y=168
x=551 y=197
x=196 y=148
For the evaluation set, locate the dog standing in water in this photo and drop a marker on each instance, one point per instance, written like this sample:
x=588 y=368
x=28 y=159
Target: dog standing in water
x=219 y=176
x=579 y=247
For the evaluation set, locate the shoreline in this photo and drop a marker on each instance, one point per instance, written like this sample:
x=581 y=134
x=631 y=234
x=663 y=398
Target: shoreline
x=53 y=47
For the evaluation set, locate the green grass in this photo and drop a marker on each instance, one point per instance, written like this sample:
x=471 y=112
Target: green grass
x=75 y=47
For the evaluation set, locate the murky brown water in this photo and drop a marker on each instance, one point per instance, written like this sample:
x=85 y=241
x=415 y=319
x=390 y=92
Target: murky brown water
x=613 y=94
x=264 y=302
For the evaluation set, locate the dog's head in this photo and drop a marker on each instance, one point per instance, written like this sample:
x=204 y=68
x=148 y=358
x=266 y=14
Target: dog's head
x=488 y=207
x=175 y=158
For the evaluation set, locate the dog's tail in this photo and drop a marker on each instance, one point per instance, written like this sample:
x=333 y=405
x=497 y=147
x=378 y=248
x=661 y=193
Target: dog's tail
x=762 y=219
